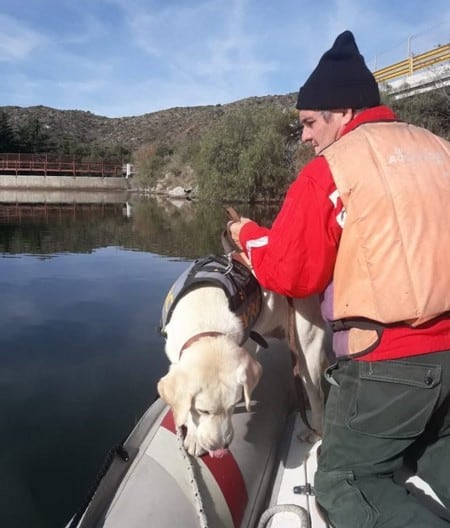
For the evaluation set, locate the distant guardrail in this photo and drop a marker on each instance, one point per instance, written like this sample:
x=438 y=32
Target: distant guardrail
x=413 y=64
x=42 y=164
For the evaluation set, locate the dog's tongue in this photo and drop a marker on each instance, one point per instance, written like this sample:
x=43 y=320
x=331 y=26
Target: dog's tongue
x=218 y=453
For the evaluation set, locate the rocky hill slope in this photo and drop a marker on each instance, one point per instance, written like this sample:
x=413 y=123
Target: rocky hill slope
x=166 y=126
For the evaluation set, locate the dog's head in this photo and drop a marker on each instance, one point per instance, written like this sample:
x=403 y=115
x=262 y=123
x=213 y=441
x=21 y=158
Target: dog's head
x=204 y=388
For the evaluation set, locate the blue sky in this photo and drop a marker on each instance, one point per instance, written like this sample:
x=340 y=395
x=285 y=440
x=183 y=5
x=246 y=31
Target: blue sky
x=129 y=57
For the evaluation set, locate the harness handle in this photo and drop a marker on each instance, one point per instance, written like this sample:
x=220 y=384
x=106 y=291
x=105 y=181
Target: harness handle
x=233 y=251
x=233 y=215
x=227 y=241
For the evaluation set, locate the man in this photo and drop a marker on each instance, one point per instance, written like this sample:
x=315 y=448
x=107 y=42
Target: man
x=367 y=225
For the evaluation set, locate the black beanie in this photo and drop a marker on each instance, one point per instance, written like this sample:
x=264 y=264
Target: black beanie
x=340 y=80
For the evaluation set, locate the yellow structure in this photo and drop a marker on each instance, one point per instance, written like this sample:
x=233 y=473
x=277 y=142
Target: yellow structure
x=413 y=64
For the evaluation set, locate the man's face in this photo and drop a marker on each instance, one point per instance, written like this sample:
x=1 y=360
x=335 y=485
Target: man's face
x=320 y=130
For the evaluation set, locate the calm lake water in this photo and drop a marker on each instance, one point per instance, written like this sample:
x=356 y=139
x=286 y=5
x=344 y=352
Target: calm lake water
x=81 y=290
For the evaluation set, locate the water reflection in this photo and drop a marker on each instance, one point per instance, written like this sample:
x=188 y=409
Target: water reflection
x=79 y=349
x=171 y=228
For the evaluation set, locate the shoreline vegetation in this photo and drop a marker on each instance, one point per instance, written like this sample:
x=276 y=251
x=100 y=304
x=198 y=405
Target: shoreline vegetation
x=245 y=152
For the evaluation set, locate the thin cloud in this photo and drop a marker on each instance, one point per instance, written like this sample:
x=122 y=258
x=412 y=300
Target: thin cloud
x=130 y=57
x=206 y=50
x=17 y=41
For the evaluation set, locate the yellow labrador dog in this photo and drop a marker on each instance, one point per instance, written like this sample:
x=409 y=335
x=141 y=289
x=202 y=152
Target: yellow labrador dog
x=212 y=358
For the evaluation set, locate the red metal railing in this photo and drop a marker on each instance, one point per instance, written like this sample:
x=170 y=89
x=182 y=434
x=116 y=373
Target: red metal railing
x=43 y=165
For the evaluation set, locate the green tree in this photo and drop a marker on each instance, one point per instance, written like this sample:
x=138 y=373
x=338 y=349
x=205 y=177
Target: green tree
x=7 y=137
x=32 y=137
x=263 y=171
x=244 y=157
x=110 y=153
x=429 y=110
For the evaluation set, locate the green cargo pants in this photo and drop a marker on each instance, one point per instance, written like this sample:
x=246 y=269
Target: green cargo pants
x=379 y=416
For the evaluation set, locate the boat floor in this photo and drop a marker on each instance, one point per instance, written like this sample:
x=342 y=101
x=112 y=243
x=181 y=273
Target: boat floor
x=297 y=469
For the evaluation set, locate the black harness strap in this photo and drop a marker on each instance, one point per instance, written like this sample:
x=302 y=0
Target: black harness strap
x=368 y=324
x=240 y=286
x=358 y=322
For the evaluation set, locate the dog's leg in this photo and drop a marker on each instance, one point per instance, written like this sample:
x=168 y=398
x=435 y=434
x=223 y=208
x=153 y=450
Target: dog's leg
x=311 y=346
x=191 y=443
x=252 y=347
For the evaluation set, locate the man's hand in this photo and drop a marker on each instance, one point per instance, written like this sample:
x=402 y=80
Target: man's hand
x=234 y=229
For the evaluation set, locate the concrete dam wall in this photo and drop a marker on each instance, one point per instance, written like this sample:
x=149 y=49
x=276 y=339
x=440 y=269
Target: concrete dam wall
x=85 y=183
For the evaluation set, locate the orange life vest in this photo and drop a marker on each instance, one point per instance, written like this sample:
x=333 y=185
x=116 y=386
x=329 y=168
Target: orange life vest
x=393 y=262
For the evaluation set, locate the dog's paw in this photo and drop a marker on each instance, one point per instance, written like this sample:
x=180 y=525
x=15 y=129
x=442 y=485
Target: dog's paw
x=192 y=446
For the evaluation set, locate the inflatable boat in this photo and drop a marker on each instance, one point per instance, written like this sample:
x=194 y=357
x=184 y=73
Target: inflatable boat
x=265 y=477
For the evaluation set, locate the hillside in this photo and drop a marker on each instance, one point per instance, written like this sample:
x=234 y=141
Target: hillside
x=168 y=126
x=175 y=147
x=174 y=124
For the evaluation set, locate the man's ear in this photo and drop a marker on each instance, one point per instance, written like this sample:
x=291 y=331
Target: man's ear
x=249 y=374
x=174 y=390
x=348 y=115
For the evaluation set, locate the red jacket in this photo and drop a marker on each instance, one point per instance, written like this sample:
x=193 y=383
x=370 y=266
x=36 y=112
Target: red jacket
x=296 y=256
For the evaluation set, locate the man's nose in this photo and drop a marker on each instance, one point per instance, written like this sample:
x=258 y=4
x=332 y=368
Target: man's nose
x=305 y=137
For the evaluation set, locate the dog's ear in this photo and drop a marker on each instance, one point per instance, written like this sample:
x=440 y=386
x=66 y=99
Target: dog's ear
x=248 y=376
x=175 y=392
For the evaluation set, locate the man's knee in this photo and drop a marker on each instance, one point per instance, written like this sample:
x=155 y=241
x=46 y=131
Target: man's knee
x=345 y=504
x=370 y=501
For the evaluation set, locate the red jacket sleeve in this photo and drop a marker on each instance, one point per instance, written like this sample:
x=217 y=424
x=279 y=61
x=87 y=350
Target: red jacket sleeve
x=296 y=256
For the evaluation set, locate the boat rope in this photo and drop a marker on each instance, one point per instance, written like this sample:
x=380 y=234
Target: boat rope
x=193 y=481
x=300 y=512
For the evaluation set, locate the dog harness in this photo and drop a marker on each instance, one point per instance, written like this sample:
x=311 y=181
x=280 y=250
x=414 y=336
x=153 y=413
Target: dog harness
x=236 y=280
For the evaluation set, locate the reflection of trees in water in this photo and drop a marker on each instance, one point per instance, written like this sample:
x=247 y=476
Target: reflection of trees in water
x=186 y=229
x=179 y=229
x=62 y=231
